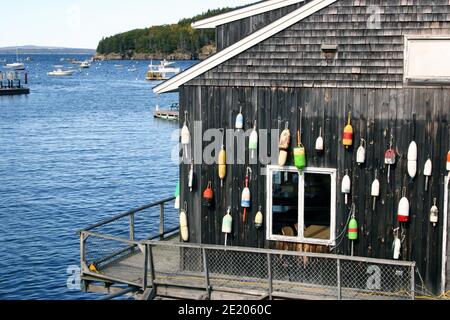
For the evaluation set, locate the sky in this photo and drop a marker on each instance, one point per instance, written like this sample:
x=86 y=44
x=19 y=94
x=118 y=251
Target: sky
x=83 y=23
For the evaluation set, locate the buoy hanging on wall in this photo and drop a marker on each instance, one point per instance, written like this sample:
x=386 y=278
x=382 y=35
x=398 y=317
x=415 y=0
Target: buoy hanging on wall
x=191 y=177
x=177 y=197
x=347 y=137
x=389 y=158
x=208 y=195
x=259 y=219
x=353 y=229
x=427 y=172
x=240 y=120
x=222 y=161
x=285 y=141
x=412 y=160
x=253 y=142
x=434 y=213
x=397 y=245
x=375 y=190
x=319 y=142
x=346 y=186
x=227 y=225
x=184 y=230
x=185 y=136
x=403 y=208
x=246 y=196
x=361 y=153
x=448 y=161
x=300 y=151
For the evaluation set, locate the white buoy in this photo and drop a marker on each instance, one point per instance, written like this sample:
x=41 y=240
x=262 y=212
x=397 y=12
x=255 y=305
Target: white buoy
x=397 y=248
x=427 y=172
x=185 y=137
x=240 y=120
x=259 y=219
x=346 y=186
x=412 y=160
x=375 y=190
x=184 y=230
x=403 y=209
x=227 y=225
x=320 y=142
x=434 y=214
x=285 y=140
x=361 y=153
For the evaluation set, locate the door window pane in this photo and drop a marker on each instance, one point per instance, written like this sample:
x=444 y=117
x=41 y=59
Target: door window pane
x=285 y=204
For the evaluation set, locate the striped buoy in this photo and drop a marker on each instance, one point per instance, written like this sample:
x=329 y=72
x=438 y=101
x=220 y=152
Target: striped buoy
x=300 y=151
x=347 y=137
x=253 y=142
x=227 y=225
x=353 y=229
x=434 y=213
x=448 y=161
x=403 y=208
x=177 y=197
x=246 y=196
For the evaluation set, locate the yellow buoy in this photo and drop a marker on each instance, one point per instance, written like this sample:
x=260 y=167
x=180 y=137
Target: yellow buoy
x=222 y=162
x=347 y=137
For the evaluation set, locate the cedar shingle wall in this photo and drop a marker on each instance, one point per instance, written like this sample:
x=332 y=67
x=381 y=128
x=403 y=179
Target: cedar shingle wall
x=371 y=58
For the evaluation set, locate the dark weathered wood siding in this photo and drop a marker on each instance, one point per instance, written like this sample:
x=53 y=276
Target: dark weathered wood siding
x=366 y=58
x=230 y=33
x=410 y=114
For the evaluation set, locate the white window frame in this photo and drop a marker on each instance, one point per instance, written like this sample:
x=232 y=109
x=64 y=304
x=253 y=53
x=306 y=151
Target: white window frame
x=301 y=219
x=424 y=80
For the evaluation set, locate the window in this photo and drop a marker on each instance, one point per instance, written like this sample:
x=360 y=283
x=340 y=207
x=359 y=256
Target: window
x=301 y=207
x=427 y=59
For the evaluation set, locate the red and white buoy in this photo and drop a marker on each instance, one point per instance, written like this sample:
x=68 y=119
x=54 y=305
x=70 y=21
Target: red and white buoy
x=412 y=160
x=448 y=161
x=434 y=213
x=403 y=208
x=246 y=196
x=390 y=158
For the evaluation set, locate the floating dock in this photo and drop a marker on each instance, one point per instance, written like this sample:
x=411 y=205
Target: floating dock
x=172 y=114
x=14 y=91
x=11 y=84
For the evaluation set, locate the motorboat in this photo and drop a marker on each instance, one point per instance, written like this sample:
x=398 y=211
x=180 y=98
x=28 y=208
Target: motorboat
x=163 y=71
x=59 y=72
x=15 y=66
x=85 y=65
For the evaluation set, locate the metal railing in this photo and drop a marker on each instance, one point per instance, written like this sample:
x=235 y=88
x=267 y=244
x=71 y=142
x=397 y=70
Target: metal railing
x=147 y=264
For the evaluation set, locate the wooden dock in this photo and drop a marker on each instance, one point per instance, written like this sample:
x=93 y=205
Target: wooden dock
x=14 y=91
x=167 y=115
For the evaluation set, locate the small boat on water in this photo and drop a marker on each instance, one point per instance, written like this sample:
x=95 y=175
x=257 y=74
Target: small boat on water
x=164 y=71
x=85 y=65
x=59 y=72
x=18 y=66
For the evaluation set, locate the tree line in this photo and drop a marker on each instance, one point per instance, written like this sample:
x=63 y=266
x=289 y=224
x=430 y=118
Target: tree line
x=165 y=39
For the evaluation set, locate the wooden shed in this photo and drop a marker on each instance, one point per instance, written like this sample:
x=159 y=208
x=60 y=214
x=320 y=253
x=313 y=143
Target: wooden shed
x=386 y=63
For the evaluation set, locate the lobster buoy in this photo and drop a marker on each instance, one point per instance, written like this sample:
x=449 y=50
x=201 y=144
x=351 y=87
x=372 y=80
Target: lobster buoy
x=346 y=186
x=184 y=230
x=403 y=210
x=208 y=195
x=448 y=161
x=191 y=177
x=375 y=190
x=177 y=197
x=353 y=229
x=227 y=225
x=240 y=121
x=434 y=214
x=185 y=136
x=397 y=248
x=246 y=197
x=253 y=142
x=361 y=153
x=389 y=160
x=320 y=142
x=300 y=157
x=222 y=163
x=285 y=140
x=259 y=219
x=347 y=137
x=427 y=172
x=412 y=160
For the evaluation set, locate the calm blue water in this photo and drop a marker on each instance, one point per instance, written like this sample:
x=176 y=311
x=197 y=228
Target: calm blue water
x=76 y=150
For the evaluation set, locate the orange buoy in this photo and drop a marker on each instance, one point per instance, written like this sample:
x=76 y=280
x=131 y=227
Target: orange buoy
x=448 y=161
x=208 y=195
x=347 y=137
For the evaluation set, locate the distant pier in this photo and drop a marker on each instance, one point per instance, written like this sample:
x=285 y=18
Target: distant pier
x=11 y=84
x=171 y=114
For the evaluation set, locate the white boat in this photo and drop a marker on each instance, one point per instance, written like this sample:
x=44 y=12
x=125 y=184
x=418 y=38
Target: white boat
x=59 y=72
x=164 y=71
x=15 y=66
x=85 y=65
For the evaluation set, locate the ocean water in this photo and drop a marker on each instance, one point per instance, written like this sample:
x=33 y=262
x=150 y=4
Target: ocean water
x=75 y=151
